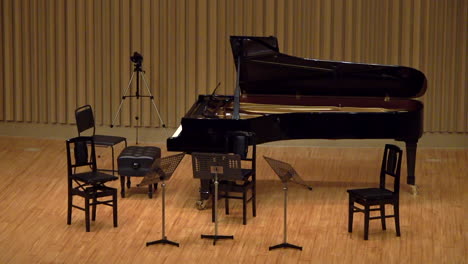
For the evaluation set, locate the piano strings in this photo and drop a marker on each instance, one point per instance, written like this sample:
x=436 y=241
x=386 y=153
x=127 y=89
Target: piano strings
x=253 y=110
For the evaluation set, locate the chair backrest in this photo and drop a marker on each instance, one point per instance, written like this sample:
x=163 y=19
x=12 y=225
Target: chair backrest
x=238 y=142
x=391 y=165
x=203 y=164
x=78 y=154
x=84 y=119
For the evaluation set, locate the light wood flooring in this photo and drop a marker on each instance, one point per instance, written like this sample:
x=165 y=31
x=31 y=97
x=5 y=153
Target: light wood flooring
x=434 y=227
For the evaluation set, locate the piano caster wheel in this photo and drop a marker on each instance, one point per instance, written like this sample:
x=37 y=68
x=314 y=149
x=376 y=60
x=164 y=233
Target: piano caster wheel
x=414 y=190
x=202 y=204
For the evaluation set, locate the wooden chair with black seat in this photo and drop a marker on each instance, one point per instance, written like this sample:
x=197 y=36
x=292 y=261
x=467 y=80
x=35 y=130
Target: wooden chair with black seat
x=238 y=142
x=85 y=124
x=369 y=198
x=86 y=181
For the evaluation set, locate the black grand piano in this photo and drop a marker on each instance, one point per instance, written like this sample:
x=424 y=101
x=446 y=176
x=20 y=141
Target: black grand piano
x=281 y=97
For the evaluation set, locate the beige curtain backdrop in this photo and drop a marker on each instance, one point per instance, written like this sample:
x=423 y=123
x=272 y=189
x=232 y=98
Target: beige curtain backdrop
x=56 y=55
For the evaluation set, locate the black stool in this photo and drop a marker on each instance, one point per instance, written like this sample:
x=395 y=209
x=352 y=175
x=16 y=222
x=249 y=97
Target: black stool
x=136 y=161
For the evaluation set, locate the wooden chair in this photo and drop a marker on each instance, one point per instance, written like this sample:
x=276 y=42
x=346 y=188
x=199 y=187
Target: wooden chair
x=381 y=196
x=85 y=122
x=237 y=142
x=86 y=181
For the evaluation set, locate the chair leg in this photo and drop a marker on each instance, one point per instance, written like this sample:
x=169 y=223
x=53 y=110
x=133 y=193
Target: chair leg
x=254 y=201
x=122 y=186
x=382 y=216
x=350 y=215
x=87 y=214
x=94 y=204
x=244 y=207
x=129 y=182
x=113 y=168
x=366 y=222
x=69 y=210
x=114 y=207
x=150 y=191
x=397 y=218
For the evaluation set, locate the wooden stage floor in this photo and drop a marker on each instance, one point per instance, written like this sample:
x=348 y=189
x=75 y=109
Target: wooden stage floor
x=434 y=225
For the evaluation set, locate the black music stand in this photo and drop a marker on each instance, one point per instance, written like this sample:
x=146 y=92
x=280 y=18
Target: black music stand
x=161 y=171
x=214 y=166
x=285 y=172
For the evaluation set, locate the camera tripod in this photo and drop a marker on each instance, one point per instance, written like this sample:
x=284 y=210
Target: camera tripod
x=137 y=60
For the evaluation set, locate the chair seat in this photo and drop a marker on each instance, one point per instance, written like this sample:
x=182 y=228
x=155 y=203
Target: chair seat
x=232 y=186
x=372 y=193
x=104 y=140
x=246 y=173
x=237 y=186
x=99 y=191
x=94 y=177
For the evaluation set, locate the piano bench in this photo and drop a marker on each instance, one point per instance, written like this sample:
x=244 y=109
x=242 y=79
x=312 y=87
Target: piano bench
x=136 y=161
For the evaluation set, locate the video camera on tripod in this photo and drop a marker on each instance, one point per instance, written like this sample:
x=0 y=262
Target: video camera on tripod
x=137 y=59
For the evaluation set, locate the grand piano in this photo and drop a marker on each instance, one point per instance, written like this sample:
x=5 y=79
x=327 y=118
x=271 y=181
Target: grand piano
x=282 y=97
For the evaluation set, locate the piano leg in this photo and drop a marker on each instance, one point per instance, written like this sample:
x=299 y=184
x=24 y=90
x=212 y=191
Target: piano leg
x=411 y=164
x=205 y=189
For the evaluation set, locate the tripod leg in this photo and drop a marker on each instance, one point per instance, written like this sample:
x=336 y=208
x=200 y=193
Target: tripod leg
x=153 y=103
x=121 y=101
x=138 y=106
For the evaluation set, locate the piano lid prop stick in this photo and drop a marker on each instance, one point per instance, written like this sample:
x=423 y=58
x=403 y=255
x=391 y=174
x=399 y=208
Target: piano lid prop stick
x=237 y=91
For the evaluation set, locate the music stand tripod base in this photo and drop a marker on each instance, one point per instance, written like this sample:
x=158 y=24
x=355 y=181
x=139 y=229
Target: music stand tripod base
x=163 y=241
x=216 y=237
x=285 y=245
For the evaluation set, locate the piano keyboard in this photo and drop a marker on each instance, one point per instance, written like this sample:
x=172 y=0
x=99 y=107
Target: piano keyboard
x=177 y=132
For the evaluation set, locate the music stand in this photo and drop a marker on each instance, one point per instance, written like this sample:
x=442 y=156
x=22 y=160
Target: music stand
x=214 y=166
x=285 y=172
x=161 y=171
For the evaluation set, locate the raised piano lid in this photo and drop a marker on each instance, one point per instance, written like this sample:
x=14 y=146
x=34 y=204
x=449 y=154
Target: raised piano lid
x=264 y=70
